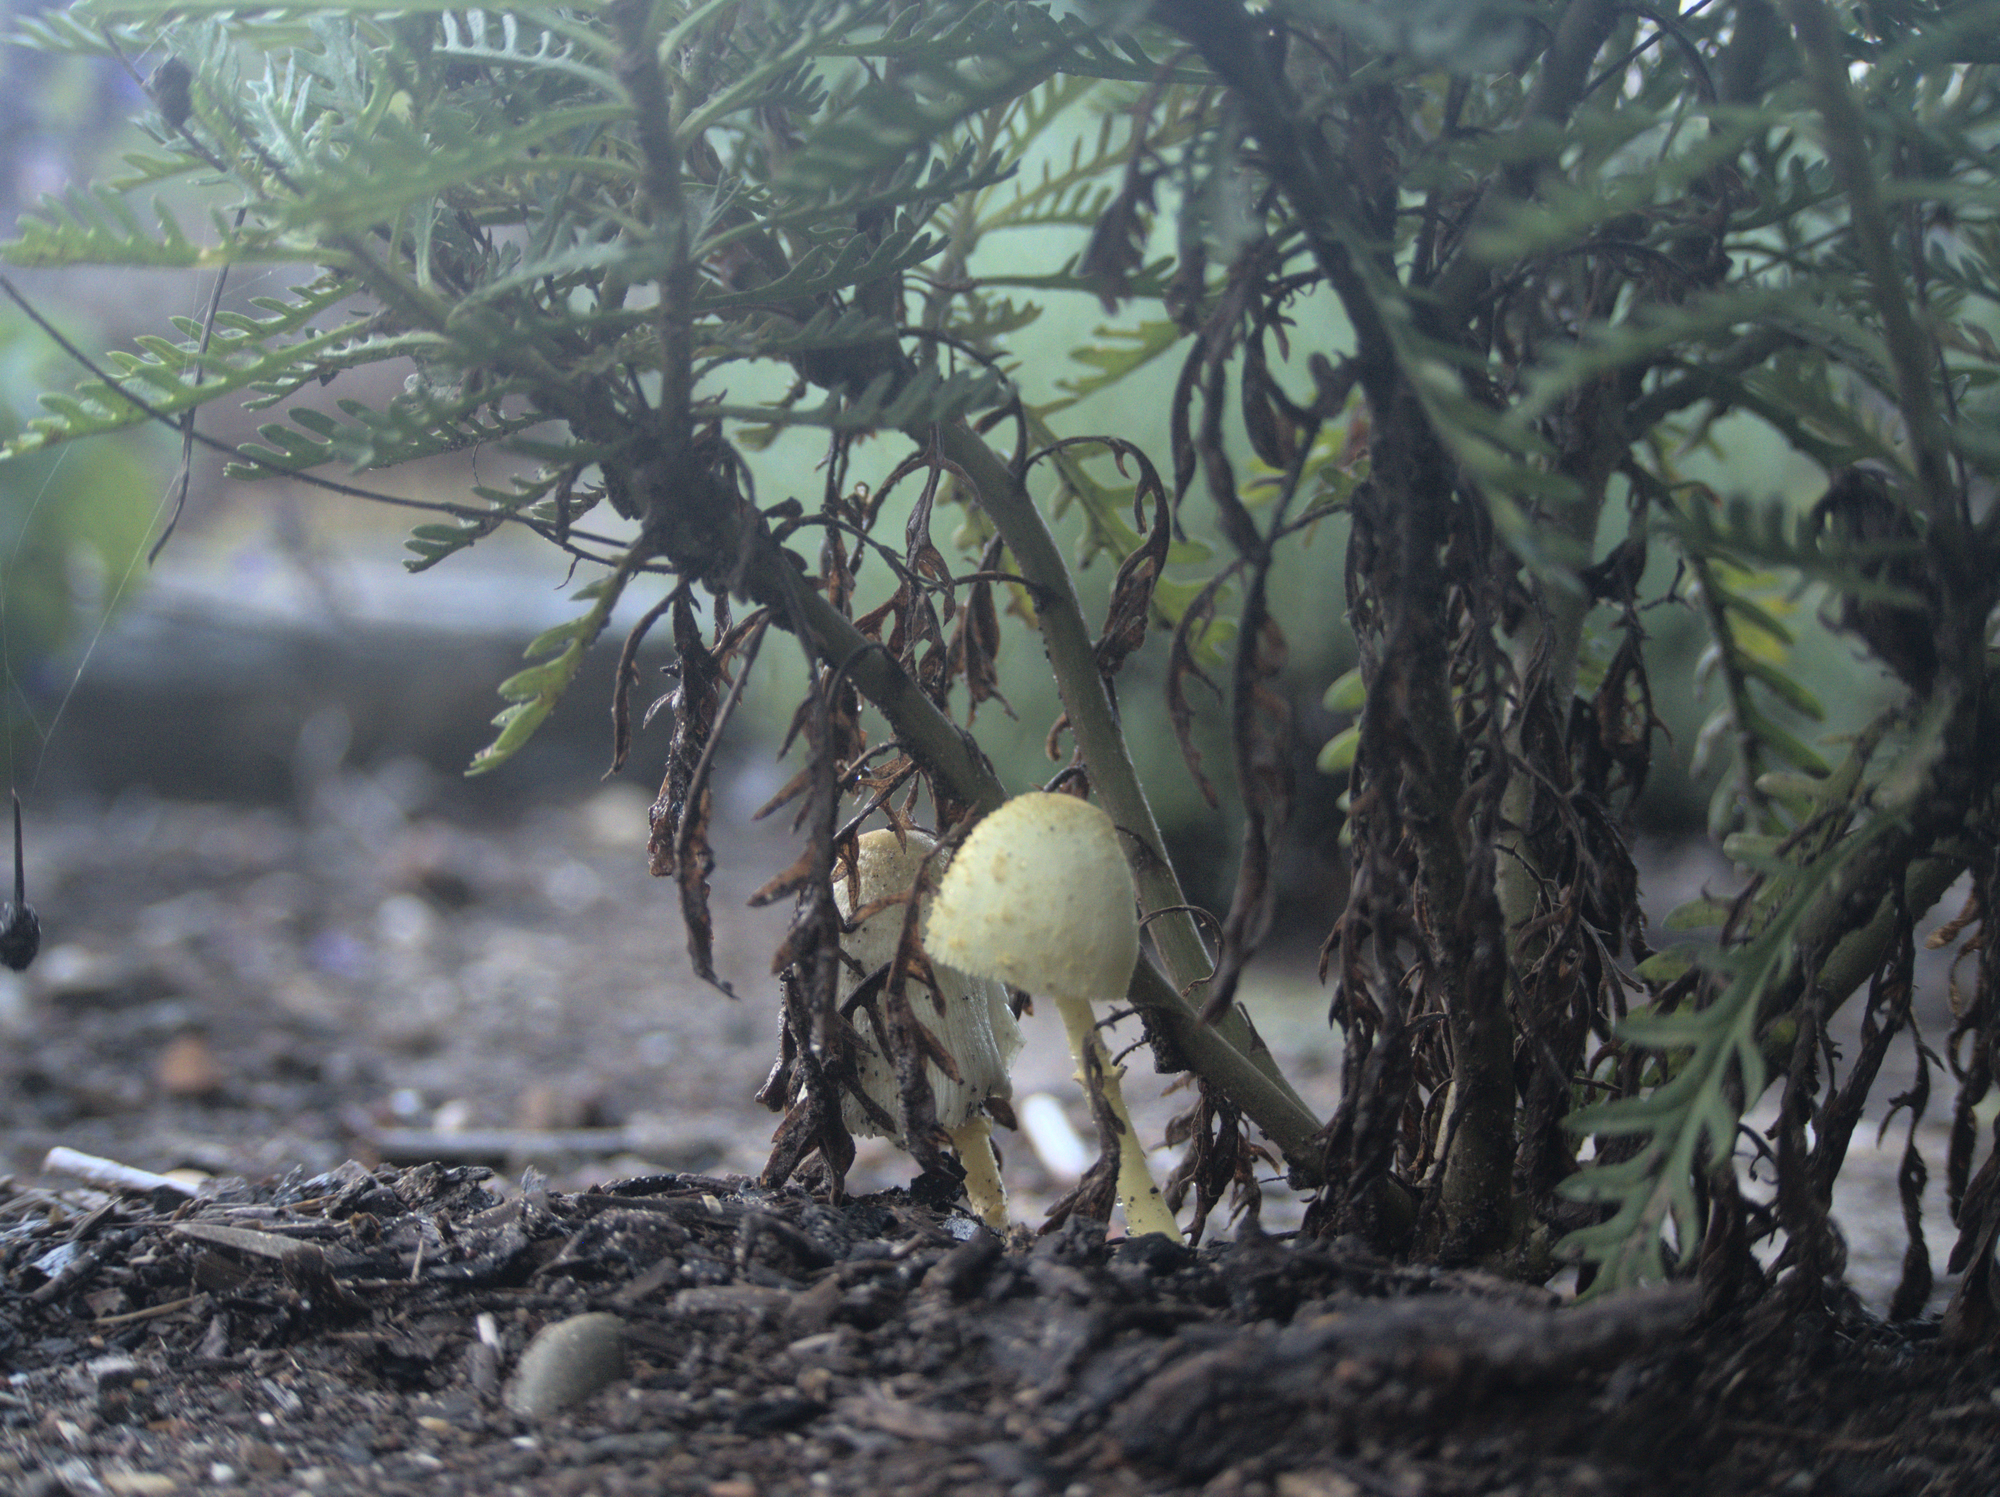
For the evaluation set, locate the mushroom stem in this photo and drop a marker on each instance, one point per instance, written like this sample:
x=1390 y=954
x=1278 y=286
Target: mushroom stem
x=983 y=1187
x=1145 y=1209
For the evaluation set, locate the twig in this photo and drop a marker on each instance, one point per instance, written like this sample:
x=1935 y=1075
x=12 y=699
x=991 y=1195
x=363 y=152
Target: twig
x=109 y=1173
x=151 y=1312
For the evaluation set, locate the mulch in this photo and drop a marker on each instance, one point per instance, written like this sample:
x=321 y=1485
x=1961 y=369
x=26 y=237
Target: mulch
x=361 y=1330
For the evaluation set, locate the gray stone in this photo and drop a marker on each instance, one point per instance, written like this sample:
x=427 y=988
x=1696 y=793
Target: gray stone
x=566 y=1363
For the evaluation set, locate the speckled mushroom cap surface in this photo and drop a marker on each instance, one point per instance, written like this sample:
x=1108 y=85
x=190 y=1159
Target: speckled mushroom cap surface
x=1040 y=897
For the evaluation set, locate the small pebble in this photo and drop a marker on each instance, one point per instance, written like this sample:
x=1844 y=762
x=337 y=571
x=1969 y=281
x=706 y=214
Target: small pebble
x=566 y=1363
x=188 y=1068
x=139 y=1483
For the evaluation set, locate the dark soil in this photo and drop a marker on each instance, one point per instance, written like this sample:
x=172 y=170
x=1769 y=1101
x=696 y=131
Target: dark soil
x=268 y=997
x=354 y=1332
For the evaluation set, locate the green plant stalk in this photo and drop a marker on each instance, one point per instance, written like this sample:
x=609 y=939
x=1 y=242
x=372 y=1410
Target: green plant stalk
x=1857 y=954
x=1112 y=775
x=930 y=738
x=1264 y=1095
x=1910 y=351
x=938 y=744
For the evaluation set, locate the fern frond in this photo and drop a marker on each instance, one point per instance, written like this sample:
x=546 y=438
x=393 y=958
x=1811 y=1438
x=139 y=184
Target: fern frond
x=1565 y=216
x=1075 y=191
x=774 y=73
x=987 y=55
x=531 y=40
x=67 y=31
x=1111 y=360
x=910 y=189
x=1772 y=533
x=998 y=24
x=153 y=13
x=401 y=166
x=982 y=320
x=780 y=338
x=433 y=542
x=1690 y=1120
x=147 y=169
x=96 y=226
x=240 y=357
x=409 y=428
x=516 y=272
x=535 y=691
x=856 y=262
x=1149 y=282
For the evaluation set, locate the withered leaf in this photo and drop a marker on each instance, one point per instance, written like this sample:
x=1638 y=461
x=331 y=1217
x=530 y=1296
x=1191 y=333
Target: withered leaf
x=1180 y=432
x=1238 y=528
x=921 y=554
x=794 y=878
x=975 y=649
x=1274 y=435
x=1097 y=1192
x=626 y=680
x=1260 y=723
x=1181 y=667
x=1117 y=244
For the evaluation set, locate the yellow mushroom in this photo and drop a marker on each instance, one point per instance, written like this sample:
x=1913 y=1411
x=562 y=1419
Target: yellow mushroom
x=1040 y=897
x=976 y=1028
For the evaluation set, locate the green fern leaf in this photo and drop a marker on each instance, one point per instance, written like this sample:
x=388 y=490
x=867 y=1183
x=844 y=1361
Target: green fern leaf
x=410 y=428
x=237 y=360
x=534 y=692
x=991 y=54
x=928 y=398
x=1690 y=1120
x=857 y=262
x=399 y=167
x=96 y=226
x=500 y=39
x=1121 y=351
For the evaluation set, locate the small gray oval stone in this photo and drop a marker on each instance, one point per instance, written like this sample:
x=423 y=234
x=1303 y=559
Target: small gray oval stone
x=566 y=1363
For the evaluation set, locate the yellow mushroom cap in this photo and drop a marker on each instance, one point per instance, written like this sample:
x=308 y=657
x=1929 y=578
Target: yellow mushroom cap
x=976 y=1027
x=1040 y=897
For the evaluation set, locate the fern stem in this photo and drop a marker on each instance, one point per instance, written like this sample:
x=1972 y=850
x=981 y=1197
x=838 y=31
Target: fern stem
x=1856 y=955
x=1092 y=718
x=1910 y=351
x=638 y=70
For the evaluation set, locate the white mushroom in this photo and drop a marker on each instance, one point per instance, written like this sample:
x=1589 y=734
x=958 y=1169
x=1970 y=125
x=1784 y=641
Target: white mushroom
x=976 y=1028
x=1040 y=897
